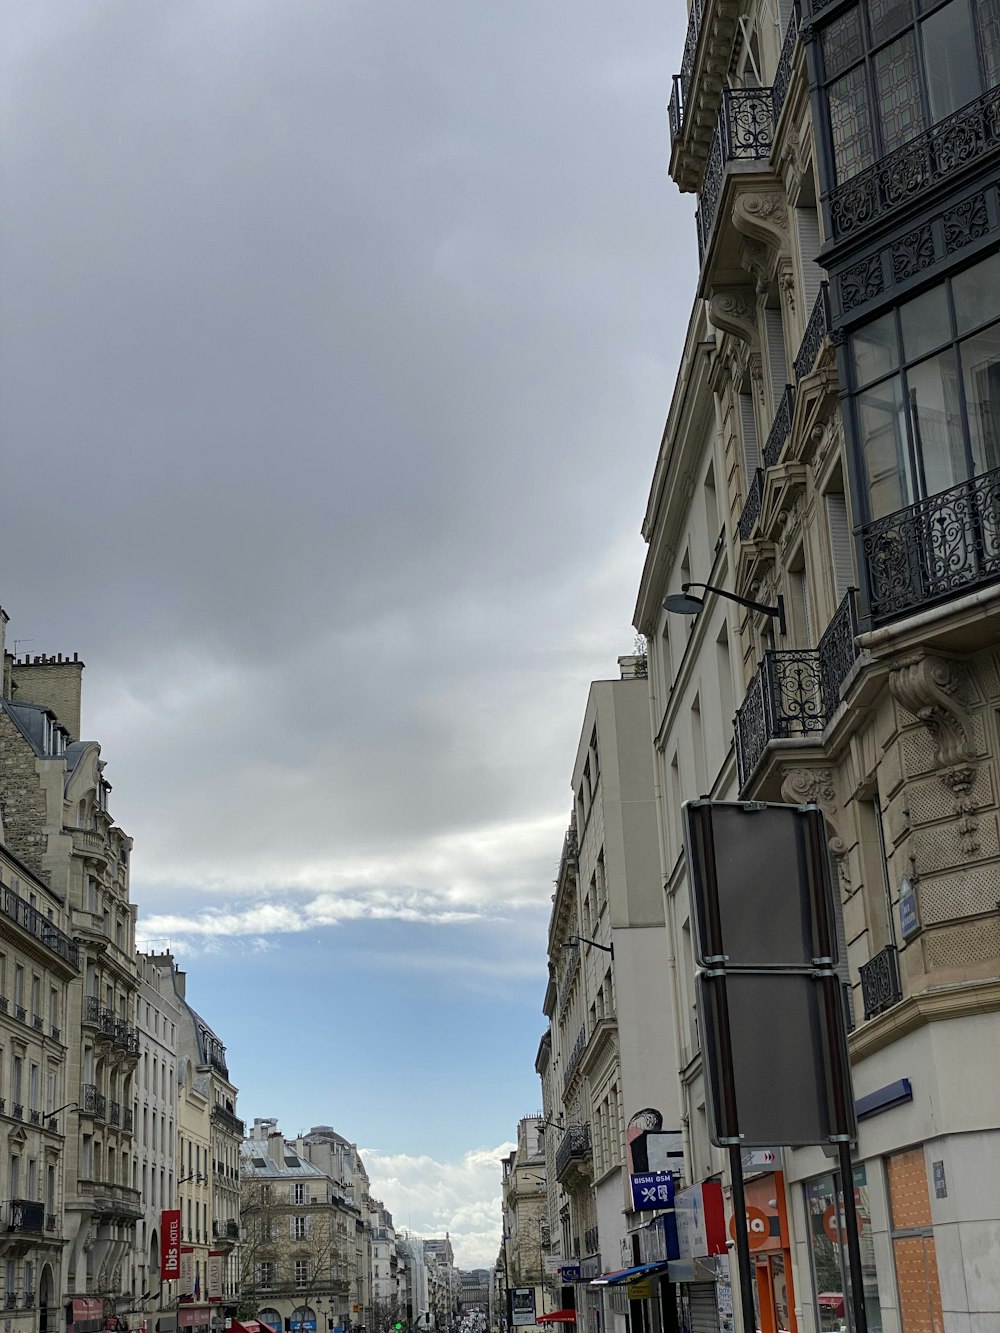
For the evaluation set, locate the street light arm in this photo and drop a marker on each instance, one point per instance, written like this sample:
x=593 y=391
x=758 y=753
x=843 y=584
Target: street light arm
x=579 y=939
x=778 y=610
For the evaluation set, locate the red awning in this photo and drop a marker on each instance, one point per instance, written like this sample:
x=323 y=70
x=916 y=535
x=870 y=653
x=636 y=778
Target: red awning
x=88 y=1307
x=249 y=1326
x=557 y=1317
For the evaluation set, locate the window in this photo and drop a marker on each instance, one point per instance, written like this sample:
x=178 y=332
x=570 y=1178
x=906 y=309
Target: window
x=298 y=1228
x=824 y=1207
x=301 y=1272
x=892 y=69
x=266 y=1274
x=927 y=393
x=913 y=1249
x=300 y=1193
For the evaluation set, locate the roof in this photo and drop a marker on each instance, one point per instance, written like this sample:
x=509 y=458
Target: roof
x=256 y=1161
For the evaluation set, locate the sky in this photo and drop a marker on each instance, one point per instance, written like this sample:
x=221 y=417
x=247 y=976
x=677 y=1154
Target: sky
x=336 y=341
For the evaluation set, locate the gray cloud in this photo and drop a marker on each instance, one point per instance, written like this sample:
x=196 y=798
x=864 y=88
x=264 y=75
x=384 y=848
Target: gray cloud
x=335 y=342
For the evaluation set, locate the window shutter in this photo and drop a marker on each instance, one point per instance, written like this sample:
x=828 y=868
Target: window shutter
x=807 y=233
x=840 y=543
x=777 y=369
x=748 y=434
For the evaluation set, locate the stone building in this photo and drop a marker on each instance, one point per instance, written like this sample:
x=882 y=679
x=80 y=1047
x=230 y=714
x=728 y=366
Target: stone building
x=293 y=1264
x=350 y=1196
x=55 y=800
x=830 y=457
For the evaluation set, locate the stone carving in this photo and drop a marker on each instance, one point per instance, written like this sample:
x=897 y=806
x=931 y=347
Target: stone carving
x=786 y=285
x=814 y=786
x=932 y=689
x=764 y=217
x=756 y=368
x=734 y=311
x=959 y=782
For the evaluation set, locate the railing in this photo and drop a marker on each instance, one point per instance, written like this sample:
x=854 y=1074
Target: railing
x=945 y=544
x=50 y=1221
x=675 y=109
x=92 y=1102
x=751 y=510
x=219 y=1063
x=744 y=133
x=576 y=1055
x=128 y=1120
x=126 y=1037
x=780 y=428
x=28 y=1301
x=574 y=1145
x=222 y=1116
x=591 y=1240
x=116 y=1113
x=20 y=1013
x=34 y=1117
x=55 y=1033
x=92 y=1009
x=690 y=52
x=30 y=919
x=24 y=1215
x=783 y=74
x=572 y=967
x=10 y=1300
x=37 y=1022
x=795 y=692
x=880 y=986
x=968 y=134
x=17 y=1110
x=837 y=651
x=228 y=1230
x=816 y=330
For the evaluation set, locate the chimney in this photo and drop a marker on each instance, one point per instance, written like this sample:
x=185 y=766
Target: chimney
x=52 y=682
x=276 y=1147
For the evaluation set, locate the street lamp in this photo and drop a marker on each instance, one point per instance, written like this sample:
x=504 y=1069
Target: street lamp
x=51 y=1115
x=196 y=1176
x=574 y=940
x=684 y=603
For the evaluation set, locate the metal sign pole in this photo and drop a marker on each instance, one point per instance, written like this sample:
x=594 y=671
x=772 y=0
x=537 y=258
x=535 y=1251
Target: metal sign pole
x=853 y=1239
x=744 y=1263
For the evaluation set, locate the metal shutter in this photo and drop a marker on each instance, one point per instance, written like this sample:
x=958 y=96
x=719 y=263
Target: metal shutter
x=840 y=543
x=704 y=1311
x=748 y=434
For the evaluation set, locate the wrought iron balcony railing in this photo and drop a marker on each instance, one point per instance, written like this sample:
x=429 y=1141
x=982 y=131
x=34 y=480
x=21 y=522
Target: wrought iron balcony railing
x=575 y=1144
x=781 y=427
x=783 y=74
x=880 y=985
x=116 y=1113
x=228 y=1230
x=128 y=1120
x=795 y=691
x=816 y=330
x=591 y=1240
x=744 y=132
x=675 y=109
x=92 y=1102
x=689 y=55
x=751 y=510
x=24 y=1215
x=224 y=1117
x=966 y=136
x=30 y=919
x=576 y=1055
x=946 y=544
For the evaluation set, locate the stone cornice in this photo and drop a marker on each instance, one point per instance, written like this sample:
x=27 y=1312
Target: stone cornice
x=916 y=1011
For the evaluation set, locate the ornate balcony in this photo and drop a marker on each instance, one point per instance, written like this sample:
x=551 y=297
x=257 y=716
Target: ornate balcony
x=575 y=1056
x=30 y=919
x=116 y=1113
x=816 y=330
x=92 y=1102
x=744 y=133
x=880 y=986
x=967 y=136
x=24 y=1215
x=946 y=544
x=228 y=1230
x=574 y=1146
x=751 y=510
x=228 y=1121
x=128 y=1118
x=783 y=74
x=780 y=428
x=795 y=692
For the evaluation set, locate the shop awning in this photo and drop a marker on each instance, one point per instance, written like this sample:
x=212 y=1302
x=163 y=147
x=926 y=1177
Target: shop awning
x=249 y=1326
x=557 y=1317
x=628 y=1274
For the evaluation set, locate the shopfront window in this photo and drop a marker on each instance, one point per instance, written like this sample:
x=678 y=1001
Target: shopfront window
x=828 y=1244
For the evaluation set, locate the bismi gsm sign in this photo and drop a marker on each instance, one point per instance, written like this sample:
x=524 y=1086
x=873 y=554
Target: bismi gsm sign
x=170 y=1244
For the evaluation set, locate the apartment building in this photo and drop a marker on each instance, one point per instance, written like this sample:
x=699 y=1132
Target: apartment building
x=57 y=822
x=350 y=1196
x=608 y=1054
x=525 y=1232
x=830 y=458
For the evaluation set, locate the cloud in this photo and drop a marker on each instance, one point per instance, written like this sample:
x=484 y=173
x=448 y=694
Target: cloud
x=428 y=1198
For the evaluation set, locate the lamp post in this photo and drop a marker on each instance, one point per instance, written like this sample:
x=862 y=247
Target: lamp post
x=684 y=603
x=574 y=940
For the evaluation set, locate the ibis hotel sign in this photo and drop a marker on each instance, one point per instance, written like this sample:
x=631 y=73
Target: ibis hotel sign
x=170 y=1234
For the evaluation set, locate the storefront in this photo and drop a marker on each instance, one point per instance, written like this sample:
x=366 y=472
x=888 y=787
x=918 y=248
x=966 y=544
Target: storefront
x=194 y=1318
x=85 y=1314
x=701 y=1272
x=770 y=1253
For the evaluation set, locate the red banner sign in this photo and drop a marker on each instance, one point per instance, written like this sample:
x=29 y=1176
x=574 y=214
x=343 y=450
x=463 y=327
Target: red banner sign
x=170 y=1244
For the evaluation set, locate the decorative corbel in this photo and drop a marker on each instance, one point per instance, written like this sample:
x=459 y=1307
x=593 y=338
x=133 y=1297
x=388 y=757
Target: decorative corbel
x=931 y=688
x=763 y=215
x=735 y=311
x=814 y=786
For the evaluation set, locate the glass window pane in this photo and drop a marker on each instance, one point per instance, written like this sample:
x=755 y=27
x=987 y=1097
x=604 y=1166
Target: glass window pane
x=843 y=43
x=924 y=323
x=936 y=422
x=887 y=17
x=981 y=374
x=882 y=428
x=975 y=294
x=828 y=1266
x=866 y=1239
x=874 y=349
x=987 y=14
x=950 y=59
x=897 y=91
x=850 y=124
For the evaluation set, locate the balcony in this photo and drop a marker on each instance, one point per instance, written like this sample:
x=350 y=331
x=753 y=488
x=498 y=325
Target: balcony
x=781 y=428
x=815 y=335
x=946 y=544
x=128 y=1120
x=967 y=136
x=31 y=920
x=574 y=1146
x=92 y=1102
x=751 y=509
x=880 y=986
x=116 y=1114
x=783 y=74
x=228 y=1121
x=744 y=134
x=575 y=1056
x=795 y=692
x=125 y=1038
x=591 y=1240
x=228 y=1230
x=24 y=1215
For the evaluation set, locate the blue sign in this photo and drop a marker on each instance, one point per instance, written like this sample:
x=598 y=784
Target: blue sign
x=652 y=1189
x=908 y=922
x=570 y=1272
